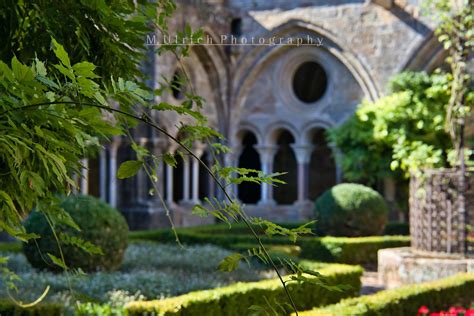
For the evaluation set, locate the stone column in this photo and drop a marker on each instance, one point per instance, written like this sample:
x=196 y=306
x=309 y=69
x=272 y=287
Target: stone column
x=267 y=154
x=231 y=160
x=84 y=181
x=103 y=175
x=337 y=159
x=303 y=155
x=113 y=172
x=169 y=185
x=142 y=178
x=198 y=150
x=158 y=146
x=186 y=180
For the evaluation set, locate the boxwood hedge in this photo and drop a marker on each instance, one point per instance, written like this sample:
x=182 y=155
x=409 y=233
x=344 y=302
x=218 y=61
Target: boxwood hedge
x=235 y=300
x=436 y=295
x=348 y=250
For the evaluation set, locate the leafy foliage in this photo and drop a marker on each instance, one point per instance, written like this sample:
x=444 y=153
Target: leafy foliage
x=99 y=245
x=108 y=34
x=40 y=147
x=399 y=133
x=456 y=32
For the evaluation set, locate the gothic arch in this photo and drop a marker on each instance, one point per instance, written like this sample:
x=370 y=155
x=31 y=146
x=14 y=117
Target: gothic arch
x=254 y=60
x=274 y=130
x=426 y=56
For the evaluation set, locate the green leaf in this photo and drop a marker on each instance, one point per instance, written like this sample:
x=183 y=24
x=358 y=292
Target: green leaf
x=20 y=71
x=60 y=52
x=200 y=211
x=85 y=69
x=231 y=262
x=57 y=261
x=169 y=159
x=129 y=169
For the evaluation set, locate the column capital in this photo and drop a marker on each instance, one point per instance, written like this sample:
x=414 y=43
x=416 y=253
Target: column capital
x=267 y=153
x=198 y=148
x=302 y=152
x=114 y=144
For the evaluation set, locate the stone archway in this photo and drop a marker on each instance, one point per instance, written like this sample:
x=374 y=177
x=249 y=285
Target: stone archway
x=249 y=193
x=285 y=161
x=178 y=174
x=322 y=165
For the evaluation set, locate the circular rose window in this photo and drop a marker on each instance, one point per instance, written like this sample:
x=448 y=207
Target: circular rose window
x=310 y=82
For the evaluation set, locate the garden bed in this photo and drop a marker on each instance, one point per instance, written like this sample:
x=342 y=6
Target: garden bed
x=347 y=250
x=236 y=299
x=149 y=271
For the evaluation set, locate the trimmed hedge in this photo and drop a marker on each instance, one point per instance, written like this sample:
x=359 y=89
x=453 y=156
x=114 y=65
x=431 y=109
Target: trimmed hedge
x=436 y=295
x=397 y=228
x=349 y=250
x=9 y=308
x=235 y=300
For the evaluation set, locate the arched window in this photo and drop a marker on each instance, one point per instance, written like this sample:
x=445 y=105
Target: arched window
x=322 y=167
x=249 y=158
x=93 y=183
x=178 y=179
x=310 y=82
x=236 y=27
x=204 y=178
x=285 y=161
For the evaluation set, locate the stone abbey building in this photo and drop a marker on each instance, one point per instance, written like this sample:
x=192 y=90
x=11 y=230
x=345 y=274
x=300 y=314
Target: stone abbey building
x=272 y=100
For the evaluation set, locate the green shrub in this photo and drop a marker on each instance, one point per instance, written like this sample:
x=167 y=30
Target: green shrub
x=436 y=295
x=237 y=298
x=350 y=209
x=100 y=224
x=397 y=228
x=9 y=308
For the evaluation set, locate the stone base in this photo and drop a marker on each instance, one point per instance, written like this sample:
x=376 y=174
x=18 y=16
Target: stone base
x=143 y=218
x=401 y=266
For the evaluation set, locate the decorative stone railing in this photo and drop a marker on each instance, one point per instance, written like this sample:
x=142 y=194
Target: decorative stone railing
x=440 y=221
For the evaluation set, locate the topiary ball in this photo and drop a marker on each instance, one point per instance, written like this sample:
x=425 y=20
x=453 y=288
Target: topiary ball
x=100 y=224
x=350 y=209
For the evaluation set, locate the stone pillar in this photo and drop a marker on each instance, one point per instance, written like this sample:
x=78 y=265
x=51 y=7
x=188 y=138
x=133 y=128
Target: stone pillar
x=231 y=160
x=142 y=178
x=103 y=174
x=303 y=155
x=169 y=185
x=337 y=161
x=267 y=154
x=186 y=180
x=198 y=150
x=158 y=146
x=84 y=181
x=113 y=172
